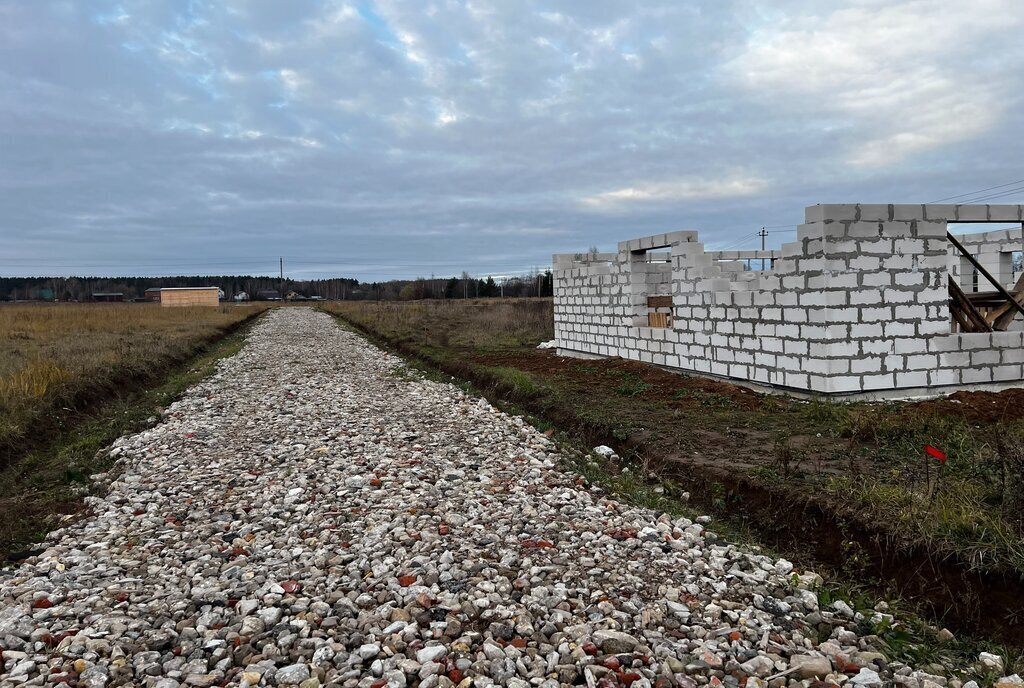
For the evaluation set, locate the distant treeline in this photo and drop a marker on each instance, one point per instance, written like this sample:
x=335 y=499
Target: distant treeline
x=83 y=288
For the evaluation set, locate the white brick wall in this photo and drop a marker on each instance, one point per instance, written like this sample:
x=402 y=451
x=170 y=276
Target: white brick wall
x=858 y=304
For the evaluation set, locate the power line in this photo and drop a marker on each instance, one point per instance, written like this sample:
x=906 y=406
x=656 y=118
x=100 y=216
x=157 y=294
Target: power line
x=971 y=193
x=739 y=242
x=990 y=197
x=749 y=237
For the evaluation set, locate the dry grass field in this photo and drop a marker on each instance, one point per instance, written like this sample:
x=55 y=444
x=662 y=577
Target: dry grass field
x=55 y=358
x=73 y=378
x=478 y=324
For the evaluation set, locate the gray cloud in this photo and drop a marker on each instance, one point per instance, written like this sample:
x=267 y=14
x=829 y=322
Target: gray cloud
x=386 y=138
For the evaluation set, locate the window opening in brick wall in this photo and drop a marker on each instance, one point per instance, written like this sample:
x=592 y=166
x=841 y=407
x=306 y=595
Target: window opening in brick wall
x=982 y=298
x=996 y=245
x=652 y=283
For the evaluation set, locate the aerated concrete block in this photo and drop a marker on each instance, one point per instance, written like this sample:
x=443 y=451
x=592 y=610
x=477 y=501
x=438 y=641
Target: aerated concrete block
x=864 y=293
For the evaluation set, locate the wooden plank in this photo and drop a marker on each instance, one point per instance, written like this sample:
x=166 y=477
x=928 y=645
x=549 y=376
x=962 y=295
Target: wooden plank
x=657 y=320
x=963 y=310
x=1002 y=316
x=961 y=321
x=976 y=296
x=659 y=301
x=986 y=299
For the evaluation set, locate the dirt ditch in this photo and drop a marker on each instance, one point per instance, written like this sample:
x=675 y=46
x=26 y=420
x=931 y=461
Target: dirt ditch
x=943 y=586
x=815 y=533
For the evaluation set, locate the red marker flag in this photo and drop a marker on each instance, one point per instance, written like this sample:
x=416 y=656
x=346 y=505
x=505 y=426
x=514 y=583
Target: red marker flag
x=932 y=451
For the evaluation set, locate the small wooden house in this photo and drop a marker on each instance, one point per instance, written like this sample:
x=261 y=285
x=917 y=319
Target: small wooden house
x=152 y=294
x=189 y=296
x=108 y=297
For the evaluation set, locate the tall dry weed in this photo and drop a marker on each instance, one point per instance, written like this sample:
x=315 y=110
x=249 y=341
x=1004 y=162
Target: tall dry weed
x=32 y=382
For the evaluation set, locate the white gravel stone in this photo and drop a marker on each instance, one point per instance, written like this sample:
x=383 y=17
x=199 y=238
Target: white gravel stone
x=866 y=677
x=811 y=666
x=431 y=653
x=312 y=515
x=292 y=675
x=990 y=662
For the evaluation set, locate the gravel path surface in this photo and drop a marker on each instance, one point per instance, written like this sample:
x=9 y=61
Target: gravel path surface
x=310 y=515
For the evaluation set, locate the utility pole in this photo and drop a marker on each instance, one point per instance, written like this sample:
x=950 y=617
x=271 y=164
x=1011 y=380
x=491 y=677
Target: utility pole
x=763 y=233
x=282 y=278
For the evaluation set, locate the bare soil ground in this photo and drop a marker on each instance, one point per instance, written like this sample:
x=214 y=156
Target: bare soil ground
x=983 y=408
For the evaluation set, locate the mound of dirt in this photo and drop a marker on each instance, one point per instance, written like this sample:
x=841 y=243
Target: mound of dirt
x=980 y=408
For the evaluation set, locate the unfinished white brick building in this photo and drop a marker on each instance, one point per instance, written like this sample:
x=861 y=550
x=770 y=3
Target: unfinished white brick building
x=871 y=301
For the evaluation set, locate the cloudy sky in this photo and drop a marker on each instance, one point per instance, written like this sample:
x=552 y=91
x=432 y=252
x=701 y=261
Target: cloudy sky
x=396 y=138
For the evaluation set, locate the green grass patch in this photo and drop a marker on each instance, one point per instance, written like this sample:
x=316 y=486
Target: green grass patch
x=519 y=382
x=631 y=386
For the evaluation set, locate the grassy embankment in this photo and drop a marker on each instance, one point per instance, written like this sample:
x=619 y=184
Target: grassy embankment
x=75 y=377
x=844 y=485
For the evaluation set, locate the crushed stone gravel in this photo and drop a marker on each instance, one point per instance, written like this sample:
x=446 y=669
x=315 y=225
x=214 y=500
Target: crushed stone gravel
x=313 y=515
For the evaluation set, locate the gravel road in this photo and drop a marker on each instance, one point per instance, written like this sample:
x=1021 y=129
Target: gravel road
x=314 y=515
